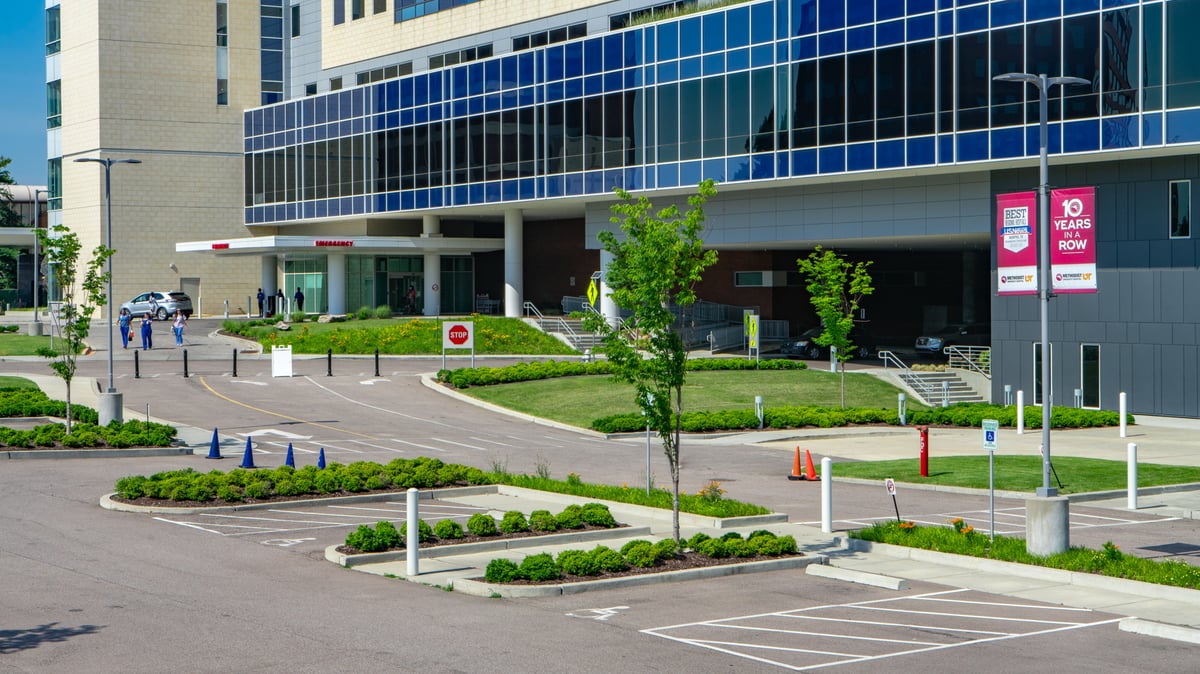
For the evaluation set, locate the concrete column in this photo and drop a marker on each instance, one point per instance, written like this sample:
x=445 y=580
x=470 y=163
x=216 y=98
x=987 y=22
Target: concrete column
x=608 y=308
x=110 y=407
x=335 y=282
x=433 y=284
x=1047 y=525
x=269 y=283
x=514 y=263
x=431 y=225
x=970 y=267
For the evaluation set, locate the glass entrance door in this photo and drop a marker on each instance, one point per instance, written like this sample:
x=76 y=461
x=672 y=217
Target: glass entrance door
x=405 y=293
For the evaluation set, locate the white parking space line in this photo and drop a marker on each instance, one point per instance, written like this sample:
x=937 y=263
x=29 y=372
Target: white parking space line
x=417 y=444
x=768 y=640
x=461 y=444
x=388 y=449
x=339 y=448
x=493 y=442
x=376 y=407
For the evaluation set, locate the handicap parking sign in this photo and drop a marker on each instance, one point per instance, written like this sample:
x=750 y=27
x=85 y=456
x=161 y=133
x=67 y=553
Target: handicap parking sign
x=990 y=428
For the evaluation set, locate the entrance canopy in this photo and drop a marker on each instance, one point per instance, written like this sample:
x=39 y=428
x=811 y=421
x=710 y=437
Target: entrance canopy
x=16 y=237
x=271 y=245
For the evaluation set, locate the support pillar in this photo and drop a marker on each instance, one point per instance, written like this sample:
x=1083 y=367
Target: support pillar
x=608 y=308
x=335 y=282
x=1047 y=525
x=431 y=228
x=514 y=263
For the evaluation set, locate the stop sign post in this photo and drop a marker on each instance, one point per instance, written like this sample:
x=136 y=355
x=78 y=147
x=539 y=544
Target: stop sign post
x=458 y=335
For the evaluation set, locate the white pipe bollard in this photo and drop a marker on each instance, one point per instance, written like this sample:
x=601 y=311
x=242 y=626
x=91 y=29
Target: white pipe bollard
x=412 y=539
x=1020 y=412
x=827 y=495
x=1131 y=477
x=1123 y=409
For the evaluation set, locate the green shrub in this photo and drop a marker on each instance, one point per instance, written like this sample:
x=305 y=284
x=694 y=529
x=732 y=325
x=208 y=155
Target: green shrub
x=258 y=489
x=608 y=559
x=363 y=313
x=501 y=571
x=731 y=535
x=664 y=549
x=642 y=555
x=514 y=522
x=231 y=493
x=713 y=547
x=131 y=487
x=383 y=311
x=448 y=529
x=364 y=539
x=481 y=524
x=577 y=563
x=539 y=567
x=542 y=520
x=571 y=517
x=388 y=535
x=424 y=531
x=737 y=547
x=298 y=316
x=597 y=515
x=698 y=538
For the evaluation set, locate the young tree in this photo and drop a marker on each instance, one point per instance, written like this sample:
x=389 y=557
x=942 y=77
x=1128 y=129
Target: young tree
x=61 y=250
x=656 y=263
x=8 y=216
x=836 y=287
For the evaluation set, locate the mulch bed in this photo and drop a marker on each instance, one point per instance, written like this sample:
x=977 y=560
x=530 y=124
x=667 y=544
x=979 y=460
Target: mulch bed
x=688 y=560
x=215 y=503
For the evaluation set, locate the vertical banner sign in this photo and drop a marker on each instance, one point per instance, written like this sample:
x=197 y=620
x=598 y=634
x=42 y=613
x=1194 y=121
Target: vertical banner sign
x=1073 y=240
x=1016 y=243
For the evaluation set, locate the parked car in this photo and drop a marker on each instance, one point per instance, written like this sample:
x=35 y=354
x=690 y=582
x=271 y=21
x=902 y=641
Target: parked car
x=957 y=334
x=804 y=346
x=168 y=303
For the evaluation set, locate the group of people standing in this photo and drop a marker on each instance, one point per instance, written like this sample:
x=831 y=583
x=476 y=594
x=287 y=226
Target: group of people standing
x=298 y=298
x=125 y=324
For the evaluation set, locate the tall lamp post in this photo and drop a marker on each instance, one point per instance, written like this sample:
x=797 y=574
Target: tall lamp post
x=35 y=328
x=1045 y=291
x=110 y=407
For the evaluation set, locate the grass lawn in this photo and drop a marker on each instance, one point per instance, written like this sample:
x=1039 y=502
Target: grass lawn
x=579 y=400
x=1019 y=473
x=16 y=344
x=16 y=382
x=410 y=336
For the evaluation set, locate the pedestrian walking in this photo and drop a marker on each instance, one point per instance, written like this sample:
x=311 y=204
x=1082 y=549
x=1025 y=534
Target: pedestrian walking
x=279 y=300
x=180 y=319
x=262 y=299
x=153 y=305
x=299 y=298
x=125 y=323
x=147 y=331
x=412 y=299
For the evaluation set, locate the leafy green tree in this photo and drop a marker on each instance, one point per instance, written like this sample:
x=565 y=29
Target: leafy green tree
x=9 y=217
x=61 y=249
x=657 y=262
x=836 y=287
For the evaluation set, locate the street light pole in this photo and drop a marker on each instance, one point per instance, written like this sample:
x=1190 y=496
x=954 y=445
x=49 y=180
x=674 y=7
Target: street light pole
x=107 y=162
x=1045 y=291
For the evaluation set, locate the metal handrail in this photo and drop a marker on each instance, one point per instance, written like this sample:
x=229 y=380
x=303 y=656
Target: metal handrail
x=970 y=358
x=916 y=383
x=530 y=307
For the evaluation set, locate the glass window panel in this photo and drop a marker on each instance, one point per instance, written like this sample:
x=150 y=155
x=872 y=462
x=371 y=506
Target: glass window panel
x=593 y=56
x=804 y=110
x=573 y=128
x=1037 y=373
x=1181 y=208
x=614 y=130
x=762 y=109
x=1152 y=77
x=831 y=89
x=714 y=32
x=476 y=148
x=554 y=149
x=593 y=132
x=1183 y=55
x=1043 y=56
x=737 y=113
x=889 y=93
x=860 y=97
x=831 y=15
x=668 y=123
x=1119 y=62
x=945 y=89
x=689 y=37
x=689 y=122
x=738 y=27
x=974 y=81
x=509 y=142
x=1008 y=56
x=1081 y=47
x=783 y=107
x=1089 y=374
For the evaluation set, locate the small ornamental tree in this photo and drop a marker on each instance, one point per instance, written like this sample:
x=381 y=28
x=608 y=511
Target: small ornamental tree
x=61 y=250
x=836 y=287
x=657 y=261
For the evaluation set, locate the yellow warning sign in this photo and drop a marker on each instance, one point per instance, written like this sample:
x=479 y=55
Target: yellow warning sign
x=592 y=292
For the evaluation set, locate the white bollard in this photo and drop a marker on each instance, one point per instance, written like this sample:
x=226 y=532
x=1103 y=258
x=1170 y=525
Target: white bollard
x=1131 y=476
x=1020 y=412
x=412 y=539
x=1123 y=409
x=827 y=495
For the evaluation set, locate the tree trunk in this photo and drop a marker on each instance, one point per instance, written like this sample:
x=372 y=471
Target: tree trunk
x=68 y=382
x=675 y=465
x=842 y=371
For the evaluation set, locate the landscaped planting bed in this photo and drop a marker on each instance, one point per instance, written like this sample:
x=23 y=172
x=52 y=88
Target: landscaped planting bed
x=85 y=431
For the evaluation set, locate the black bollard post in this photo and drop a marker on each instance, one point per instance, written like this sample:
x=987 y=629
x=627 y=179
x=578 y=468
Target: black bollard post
x=376 y=362
x=137 y=370
x=329 y=363
x=235 y=362
x=185 y=372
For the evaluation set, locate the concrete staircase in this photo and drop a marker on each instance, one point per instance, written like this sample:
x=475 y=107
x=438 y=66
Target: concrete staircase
x=570 y=330
x=930 y=387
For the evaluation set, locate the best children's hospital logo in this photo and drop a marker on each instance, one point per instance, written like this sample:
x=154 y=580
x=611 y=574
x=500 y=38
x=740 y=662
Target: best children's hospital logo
x=1016 y=230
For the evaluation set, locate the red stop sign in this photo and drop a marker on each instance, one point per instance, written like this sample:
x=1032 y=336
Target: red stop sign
x=458 y=334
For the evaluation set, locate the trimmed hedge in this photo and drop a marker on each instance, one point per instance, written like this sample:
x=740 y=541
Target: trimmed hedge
x=488 y=376
x=27 y=402
x=962 y=414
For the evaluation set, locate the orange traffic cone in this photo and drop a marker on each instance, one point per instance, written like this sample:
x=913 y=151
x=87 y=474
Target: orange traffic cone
x=796 y=472
x=810 y=472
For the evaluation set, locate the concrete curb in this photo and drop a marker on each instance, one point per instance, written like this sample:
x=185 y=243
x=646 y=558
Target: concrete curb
x=861 y=577
x=94 y=453
x=1161 y=630
x=484 y=589
x=1086 y=580
x=456 y=549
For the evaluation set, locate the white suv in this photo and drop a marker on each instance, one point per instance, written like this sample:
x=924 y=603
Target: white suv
x=168 y=303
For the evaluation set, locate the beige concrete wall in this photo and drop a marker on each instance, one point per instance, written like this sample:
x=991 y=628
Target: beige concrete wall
x=378 y=35
x=139 y=81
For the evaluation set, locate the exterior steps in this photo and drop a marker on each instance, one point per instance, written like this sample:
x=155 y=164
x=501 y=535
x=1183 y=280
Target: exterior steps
x=929 y=385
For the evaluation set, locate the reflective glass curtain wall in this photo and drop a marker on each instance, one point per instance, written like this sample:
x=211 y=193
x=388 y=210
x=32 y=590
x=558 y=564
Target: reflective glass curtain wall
x=757 y=91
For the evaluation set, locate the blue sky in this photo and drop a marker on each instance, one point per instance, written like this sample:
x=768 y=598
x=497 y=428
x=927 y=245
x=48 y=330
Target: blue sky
x=23 y=89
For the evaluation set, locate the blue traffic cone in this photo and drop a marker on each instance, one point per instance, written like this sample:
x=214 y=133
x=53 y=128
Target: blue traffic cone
x=248 y=457
x=214 y=449
x=290 y=460
x=321 y=459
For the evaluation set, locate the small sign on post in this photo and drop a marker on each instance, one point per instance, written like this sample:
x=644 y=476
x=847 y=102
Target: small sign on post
x=458 y=335
x=990 y=443
x=890 y=485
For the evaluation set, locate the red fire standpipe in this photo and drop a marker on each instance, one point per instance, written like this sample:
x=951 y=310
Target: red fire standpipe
x=924 y=431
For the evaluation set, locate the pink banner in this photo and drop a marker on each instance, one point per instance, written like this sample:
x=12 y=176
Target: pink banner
x=1016 y=243
x=1073 y=240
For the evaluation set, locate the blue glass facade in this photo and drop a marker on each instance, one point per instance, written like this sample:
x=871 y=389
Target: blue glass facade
x=761 y=91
